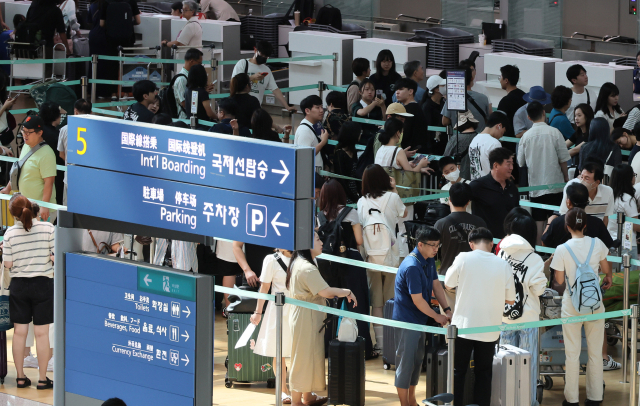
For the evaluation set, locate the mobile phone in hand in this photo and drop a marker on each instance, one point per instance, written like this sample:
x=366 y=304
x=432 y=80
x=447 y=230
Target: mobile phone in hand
x=379 y=92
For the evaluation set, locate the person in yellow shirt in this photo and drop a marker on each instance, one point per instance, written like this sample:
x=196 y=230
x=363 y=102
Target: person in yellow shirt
x=38 y=172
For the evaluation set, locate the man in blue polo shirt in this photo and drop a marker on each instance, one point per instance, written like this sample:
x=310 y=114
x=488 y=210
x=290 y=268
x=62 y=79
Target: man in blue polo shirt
x=414 y=283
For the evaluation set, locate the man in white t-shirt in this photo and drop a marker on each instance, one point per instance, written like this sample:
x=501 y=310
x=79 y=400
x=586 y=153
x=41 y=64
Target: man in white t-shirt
x=484 y=284
x=577 y=75
x=601 y=201
x=219 y=9
x=486 y=142
x=191 y=33
x=81 y=106
x=305 y=134
x=261 y=77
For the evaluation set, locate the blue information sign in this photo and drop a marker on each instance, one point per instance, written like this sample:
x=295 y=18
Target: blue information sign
x=208 y=159
x=118 y=334
x=237 y=216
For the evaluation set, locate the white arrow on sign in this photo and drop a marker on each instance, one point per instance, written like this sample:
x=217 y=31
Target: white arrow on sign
x=186 y=360
x=284 y=172
x=186 y=336
x=187 y=311
x=275 y=224
x=147 y=280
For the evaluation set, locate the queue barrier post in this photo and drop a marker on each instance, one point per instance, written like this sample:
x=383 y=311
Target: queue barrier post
x=633 y=392
x=279 y=366
x=218 y=76
x=452 y=334
x=335 y=69
x=94 y=76
x=620 y=222
x=83 y=84
x=320 y=89
x=626 y=266
x=193 y=122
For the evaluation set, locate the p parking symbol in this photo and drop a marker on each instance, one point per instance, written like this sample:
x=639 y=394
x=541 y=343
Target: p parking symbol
x=256 y=220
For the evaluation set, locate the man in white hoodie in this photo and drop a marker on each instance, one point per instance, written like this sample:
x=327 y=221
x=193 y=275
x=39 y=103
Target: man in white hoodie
x=529 y=281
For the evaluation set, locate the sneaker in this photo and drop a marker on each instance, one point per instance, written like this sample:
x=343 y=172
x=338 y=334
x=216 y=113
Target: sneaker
x=50 y=365
x=30 y=362
x=609 y=364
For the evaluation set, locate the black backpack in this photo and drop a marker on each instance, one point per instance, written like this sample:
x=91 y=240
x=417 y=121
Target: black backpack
x=332 y=235
x=168 y=103
x=329 y=15
x=120 y=22
x=27 y=33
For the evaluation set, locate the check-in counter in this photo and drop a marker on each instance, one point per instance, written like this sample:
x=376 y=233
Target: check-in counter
x=311 y=72
x=534 y=71
x=599 y=74
x=153 y=29
x=225 y=35
x=402 y=51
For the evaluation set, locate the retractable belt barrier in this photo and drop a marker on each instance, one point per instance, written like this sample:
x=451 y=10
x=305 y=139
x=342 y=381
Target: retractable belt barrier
x=421 y=328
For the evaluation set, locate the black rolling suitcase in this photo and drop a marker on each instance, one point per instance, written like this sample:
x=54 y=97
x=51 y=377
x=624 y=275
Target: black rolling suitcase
x=3 y=356
x=388 y=338
x=346 y=370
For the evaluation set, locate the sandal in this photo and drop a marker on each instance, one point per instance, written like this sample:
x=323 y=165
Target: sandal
x=319 y=401
x=372 y=355
x=27 y=382
x=46 y=384
x=286 y=400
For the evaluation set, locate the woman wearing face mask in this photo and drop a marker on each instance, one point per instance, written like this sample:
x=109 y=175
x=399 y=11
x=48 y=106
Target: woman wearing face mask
x=386 y=76
x=582 y=114
x=451 y=172
x=306 y=374
x=600 y=148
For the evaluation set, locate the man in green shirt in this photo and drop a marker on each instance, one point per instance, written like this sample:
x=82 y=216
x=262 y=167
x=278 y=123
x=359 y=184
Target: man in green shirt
x=38 y=173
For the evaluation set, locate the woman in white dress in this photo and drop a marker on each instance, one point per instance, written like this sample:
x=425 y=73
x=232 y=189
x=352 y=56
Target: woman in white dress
x=274 y=276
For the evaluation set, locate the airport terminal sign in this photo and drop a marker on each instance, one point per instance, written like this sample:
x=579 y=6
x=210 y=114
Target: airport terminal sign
x=207 y=159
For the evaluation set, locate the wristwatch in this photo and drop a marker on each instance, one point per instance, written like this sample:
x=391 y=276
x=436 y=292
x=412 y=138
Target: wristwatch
x=446 y=308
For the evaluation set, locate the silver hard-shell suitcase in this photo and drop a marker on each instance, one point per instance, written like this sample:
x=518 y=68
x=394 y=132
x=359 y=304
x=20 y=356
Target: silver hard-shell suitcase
x=511 y=383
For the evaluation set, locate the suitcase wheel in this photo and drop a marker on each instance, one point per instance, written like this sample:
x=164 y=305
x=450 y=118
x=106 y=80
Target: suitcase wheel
x=271 y=383
x=226 y=363
x=548 y=383
x=539 y=392
x=228 y=384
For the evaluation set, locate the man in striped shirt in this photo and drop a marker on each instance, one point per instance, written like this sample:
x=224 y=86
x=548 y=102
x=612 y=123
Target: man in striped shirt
x=182 y=253
x=191 y=57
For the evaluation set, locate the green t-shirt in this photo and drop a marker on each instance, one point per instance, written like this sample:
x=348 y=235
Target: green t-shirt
x=41 y=165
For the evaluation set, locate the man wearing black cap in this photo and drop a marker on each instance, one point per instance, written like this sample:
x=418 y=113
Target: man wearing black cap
x=38 y=170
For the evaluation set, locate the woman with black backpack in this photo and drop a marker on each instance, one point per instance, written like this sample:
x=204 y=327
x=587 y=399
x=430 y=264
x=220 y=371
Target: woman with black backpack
x=341 y=233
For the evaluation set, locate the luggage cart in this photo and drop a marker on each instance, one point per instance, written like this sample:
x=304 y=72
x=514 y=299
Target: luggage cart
x=551 y=344
x=25 y=50
x=139 y=71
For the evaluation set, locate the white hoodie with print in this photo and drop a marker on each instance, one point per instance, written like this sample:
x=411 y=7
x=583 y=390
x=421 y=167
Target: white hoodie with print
x=527 y=267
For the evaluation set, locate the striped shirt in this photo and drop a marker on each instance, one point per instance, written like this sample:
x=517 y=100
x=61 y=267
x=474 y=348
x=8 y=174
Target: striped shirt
x=632 y=119
x=29 y=250
x=179 y=87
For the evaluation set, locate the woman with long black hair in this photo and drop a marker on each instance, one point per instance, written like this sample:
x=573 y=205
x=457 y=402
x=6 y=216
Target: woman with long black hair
x=345 y=159
x=307 y=374
x=240 y=90
x=622 y=181
x=600 y=148
x=607 y=105
x=196 y=85
x=583 y=115
x=386 y=76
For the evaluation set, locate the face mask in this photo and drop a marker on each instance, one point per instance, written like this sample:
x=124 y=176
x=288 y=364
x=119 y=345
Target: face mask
x=261 y=60
x=590 y=186
x=453 y=176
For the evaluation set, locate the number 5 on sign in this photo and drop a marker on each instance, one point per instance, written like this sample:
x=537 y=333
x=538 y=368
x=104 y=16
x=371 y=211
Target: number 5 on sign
x=82 y=140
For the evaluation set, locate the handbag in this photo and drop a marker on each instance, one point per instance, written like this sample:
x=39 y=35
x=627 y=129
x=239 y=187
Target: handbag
x=404 y=178
x=348 y=329
x=16 y=168
x=5 y=320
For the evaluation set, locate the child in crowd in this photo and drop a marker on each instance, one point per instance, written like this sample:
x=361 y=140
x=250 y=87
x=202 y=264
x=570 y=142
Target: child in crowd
x=370 y=106
x=144 y=91
x=451 y=172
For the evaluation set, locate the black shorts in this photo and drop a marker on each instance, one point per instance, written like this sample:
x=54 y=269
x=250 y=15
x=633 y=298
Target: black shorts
x=225 y=268
x=31 y=299
x=554 y=199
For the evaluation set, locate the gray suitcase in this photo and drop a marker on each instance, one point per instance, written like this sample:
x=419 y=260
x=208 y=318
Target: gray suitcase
x=388 y=338
x=511 y=383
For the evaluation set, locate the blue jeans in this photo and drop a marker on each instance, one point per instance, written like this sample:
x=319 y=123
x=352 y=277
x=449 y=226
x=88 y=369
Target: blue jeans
x=526 y=339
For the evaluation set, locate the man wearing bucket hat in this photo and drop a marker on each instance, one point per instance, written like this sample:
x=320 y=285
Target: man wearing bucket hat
x=521 y=122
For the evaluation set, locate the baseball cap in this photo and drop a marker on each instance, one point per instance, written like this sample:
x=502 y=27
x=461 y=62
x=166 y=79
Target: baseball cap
x=397 y=108
x=435 y=81
x=33 y=123
x=537 y=93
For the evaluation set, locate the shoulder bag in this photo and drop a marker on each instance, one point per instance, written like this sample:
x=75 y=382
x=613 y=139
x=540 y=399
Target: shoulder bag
x=408 y=179
x=16 y=168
